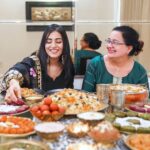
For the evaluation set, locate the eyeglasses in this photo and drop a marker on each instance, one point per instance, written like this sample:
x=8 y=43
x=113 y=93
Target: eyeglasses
x=109 y=41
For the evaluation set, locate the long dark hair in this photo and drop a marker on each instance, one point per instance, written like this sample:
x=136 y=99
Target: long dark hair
x=65 y=58
x=131 y=37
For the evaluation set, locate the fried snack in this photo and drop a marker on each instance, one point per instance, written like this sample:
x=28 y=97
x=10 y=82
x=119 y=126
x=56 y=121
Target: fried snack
x=134 y=121
x=143 y=130
x=120 y=114
x=128 y=128
x=117 y=125
x=110 y=117
x=144 y=116
x=132 y=114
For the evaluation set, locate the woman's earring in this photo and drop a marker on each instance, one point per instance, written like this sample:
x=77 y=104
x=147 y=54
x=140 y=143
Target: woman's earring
x=62 y=60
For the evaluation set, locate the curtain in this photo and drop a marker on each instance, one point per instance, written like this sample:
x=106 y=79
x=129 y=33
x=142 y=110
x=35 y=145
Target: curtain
x=136 y=13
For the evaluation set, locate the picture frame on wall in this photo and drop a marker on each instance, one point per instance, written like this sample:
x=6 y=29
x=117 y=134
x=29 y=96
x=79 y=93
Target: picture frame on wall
x=42 y=14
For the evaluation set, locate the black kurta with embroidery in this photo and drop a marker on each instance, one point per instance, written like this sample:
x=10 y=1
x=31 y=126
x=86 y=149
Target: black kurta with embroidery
x=30 y=74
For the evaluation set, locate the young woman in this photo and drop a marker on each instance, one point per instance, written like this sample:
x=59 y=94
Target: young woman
x=48 y=68
x=118 y=66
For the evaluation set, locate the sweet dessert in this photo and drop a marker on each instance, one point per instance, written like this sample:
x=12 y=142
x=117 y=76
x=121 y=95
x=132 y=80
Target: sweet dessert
x=49 y=130
x=15 y=125
x=8 y=109
x=47 y=110
x=105 y=133
x=138 y=141
x=132 y=124
x=140 y=107
x=78 y=129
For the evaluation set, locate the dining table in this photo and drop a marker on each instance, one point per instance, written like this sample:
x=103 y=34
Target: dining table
x=65 y=139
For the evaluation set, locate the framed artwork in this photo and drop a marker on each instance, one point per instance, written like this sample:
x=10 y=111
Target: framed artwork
x=51 y=12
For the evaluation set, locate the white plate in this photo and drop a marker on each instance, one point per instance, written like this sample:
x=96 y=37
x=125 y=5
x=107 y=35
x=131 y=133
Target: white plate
x=91 y=116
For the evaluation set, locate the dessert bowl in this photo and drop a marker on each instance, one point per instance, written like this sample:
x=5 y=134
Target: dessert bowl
x=49 y=130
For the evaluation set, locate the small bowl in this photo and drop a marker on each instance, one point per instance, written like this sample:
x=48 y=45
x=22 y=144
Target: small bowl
x=78 y=129
x=49 y=130
x=92 y=118
x=31 y=100
x=50 y=115
x=104 y=133
x=133 y=93
x=48 y=118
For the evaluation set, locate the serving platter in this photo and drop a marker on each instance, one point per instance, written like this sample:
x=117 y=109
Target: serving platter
x=130 y=122
x=14 y=126
x=6 y=109
x=24 y=144
x=76 y=101
x=16 y=135
x=138 y=141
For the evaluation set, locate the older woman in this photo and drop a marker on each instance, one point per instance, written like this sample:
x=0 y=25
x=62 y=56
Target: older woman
x=118 y=66
x=48 y=68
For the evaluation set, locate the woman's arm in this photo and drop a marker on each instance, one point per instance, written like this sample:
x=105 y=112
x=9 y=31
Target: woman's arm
x=18 y=75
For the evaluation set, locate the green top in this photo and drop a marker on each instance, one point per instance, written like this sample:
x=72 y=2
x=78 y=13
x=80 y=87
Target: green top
x=83 y=54
x=97 y=73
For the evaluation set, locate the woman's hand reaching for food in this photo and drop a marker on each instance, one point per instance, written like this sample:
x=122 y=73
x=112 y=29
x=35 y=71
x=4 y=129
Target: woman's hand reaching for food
x=13 y=93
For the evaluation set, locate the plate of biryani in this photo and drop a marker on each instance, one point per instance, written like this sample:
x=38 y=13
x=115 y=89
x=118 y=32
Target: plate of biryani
x=76 y=101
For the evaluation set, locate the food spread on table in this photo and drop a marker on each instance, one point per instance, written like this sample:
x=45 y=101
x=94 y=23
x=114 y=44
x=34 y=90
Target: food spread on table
x=74 y=102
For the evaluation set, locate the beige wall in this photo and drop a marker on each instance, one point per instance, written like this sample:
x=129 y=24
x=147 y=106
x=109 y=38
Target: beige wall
x=98 y=16
x=16 y=42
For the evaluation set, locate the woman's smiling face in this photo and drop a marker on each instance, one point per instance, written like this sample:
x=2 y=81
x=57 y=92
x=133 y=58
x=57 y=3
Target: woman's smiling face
x=54 y=45
x=116 y=46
